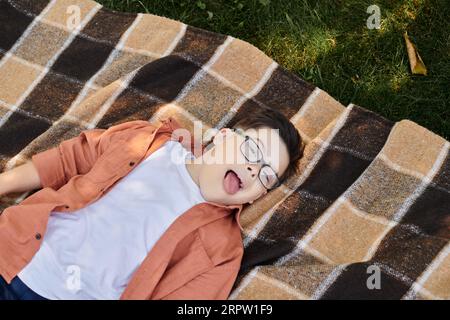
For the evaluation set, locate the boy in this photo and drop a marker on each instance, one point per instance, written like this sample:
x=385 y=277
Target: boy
x=128 y=213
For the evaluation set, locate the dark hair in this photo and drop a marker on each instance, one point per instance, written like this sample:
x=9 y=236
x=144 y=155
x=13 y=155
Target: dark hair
x=268 y=117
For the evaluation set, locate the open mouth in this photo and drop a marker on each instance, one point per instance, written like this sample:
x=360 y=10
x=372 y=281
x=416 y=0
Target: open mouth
x=231 y=182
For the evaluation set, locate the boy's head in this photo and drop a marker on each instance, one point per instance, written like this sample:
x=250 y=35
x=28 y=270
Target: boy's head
x=254 y=156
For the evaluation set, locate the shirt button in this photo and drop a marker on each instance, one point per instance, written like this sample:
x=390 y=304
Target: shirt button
x=38 y=236
x=131 y=163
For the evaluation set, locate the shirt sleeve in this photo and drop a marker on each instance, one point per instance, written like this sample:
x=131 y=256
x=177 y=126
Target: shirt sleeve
x=77 y=155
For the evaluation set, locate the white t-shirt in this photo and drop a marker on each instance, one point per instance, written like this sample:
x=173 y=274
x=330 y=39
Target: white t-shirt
x=92 y=253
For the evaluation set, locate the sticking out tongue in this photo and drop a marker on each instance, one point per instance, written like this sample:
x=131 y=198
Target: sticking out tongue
x=231 y=182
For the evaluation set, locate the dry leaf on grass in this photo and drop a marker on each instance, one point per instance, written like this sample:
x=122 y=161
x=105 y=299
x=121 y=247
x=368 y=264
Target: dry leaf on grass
x=415 y=61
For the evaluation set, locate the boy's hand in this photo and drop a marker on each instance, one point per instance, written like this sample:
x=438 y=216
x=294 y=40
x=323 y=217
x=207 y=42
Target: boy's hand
x=19 y=179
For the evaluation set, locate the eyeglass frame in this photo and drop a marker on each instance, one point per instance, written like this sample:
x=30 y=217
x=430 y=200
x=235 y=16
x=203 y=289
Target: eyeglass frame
x=264 y=164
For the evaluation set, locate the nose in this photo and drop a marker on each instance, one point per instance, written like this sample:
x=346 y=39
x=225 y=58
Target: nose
x=253 y=169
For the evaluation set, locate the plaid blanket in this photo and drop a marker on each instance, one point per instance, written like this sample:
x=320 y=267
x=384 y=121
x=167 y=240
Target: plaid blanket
x=367 y=217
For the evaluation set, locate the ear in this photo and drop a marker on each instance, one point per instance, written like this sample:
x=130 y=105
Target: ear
x=222 y=134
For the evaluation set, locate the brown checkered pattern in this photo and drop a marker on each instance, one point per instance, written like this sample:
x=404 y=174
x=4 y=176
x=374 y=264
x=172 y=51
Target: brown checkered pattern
x=370 y=193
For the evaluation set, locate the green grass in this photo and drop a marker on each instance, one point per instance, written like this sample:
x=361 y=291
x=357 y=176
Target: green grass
x=328 y=44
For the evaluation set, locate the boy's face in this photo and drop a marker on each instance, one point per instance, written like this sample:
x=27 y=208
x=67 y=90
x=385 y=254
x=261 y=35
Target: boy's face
x=228 y=173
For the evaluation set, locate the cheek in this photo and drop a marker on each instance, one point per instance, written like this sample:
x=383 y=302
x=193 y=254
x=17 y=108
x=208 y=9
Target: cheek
x=211 y=177
x=233 y=155
x=253 y=192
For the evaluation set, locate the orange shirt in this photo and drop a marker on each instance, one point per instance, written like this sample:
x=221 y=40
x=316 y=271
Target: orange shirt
x=199 y=255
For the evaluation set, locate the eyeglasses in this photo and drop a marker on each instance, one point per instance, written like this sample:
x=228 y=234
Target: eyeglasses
x=253 y=154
